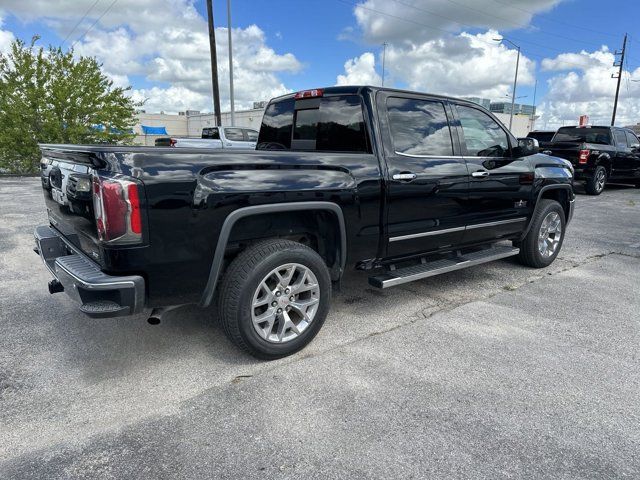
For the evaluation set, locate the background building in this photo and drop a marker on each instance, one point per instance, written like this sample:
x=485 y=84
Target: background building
x=518 y=108
x=484 y=102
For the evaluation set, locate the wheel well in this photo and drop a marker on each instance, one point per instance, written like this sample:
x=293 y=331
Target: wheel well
x=318 y=229
x=560 y=195
x=606 y=163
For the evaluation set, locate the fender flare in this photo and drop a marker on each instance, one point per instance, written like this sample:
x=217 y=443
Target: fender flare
x=535 y=210
x=230 y=221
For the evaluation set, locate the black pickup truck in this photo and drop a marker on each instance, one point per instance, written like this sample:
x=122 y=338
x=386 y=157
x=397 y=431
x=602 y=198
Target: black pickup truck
x=598 y=155
x=402 y=185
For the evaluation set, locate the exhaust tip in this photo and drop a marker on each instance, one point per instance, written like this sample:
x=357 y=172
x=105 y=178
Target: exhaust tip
x=153 y=321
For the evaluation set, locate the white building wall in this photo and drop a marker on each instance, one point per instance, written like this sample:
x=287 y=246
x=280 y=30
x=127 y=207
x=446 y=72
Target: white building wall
x=522 y=124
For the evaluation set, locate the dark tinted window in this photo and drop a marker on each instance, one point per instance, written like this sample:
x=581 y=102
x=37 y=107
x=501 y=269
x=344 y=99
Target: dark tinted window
x=211 y=133
x=419 y=127
x=327 y=124
x=621 y=138
x=234 y=134
x=252 y=135
x=483 y=136
x=601 y=136
x=632 y=139
x=541 y=136
x=277 y=123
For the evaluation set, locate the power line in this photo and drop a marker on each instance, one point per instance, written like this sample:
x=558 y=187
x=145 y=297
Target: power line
x=556 y=20
x=79 y=22
x=94 y=23
x=529 y=54
x=490 y=16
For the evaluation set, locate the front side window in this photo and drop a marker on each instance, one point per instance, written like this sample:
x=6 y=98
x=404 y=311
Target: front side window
x=233 y=134
x=621 y=138
x=632 y=139
x=419 y=127
x=252 y=135
x=483 y=136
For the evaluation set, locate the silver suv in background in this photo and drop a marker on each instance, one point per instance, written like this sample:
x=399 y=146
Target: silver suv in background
x=215 y=137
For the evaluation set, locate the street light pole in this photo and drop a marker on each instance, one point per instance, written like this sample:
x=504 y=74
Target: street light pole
x=515 y=79
x=384 y=54
x=214 y=64
x=233 y=112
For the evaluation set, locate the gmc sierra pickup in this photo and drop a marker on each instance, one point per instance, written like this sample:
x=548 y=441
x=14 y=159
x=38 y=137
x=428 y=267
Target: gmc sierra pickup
x=599 y=155
x=402 y=185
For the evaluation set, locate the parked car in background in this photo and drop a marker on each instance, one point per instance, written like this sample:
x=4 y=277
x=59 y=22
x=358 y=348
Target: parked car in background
x=215 y=137
x=542 y=136
x=599 y=154
x=400 y=184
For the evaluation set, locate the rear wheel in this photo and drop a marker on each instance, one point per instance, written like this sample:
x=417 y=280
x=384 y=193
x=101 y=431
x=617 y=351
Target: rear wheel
x=543 y=241
x=595 y=184
x=275 y=297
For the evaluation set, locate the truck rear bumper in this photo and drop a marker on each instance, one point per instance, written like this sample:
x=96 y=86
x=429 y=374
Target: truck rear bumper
x=100 y=295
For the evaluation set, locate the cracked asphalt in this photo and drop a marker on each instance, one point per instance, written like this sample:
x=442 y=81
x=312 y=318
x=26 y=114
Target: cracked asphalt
x=497 y=371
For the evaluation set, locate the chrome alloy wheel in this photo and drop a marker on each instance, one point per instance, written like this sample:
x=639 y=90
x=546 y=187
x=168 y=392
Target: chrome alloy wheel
x=601 y=178
x=285 y=303
x=550 y=234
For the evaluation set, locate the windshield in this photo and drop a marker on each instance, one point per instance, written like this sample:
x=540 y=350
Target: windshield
x=600 y=136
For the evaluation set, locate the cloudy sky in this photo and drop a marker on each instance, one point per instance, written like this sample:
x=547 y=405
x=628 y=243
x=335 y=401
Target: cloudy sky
x=160 y=48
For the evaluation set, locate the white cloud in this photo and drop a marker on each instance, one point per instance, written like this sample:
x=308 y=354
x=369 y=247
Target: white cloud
x=459 y=65
x=587 y=88
x=360 y=71
x=170 y=50
x=6 y=37
x=398 y=21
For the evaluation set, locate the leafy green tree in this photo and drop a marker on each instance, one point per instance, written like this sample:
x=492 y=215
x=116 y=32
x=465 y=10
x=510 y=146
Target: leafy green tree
x=48 y=96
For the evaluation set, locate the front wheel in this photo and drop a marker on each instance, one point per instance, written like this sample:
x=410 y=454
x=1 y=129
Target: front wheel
x=543 y=241
x=275 y=297
x=595 y=184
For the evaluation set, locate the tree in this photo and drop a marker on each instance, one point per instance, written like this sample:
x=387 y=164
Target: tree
x=48 y=96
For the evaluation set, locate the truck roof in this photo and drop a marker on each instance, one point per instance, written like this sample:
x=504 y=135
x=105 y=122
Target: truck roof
x=360 y=89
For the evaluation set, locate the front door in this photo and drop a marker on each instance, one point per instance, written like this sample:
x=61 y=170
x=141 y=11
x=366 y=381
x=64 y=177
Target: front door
x=427 y=179
x=500 y=186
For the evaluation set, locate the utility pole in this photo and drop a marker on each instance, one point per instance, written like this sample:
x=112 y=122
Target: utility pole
x=515 y=80
x=533 y=110
x=214 y=64
x=619 y=77
x=384 y=55
x=233 y=113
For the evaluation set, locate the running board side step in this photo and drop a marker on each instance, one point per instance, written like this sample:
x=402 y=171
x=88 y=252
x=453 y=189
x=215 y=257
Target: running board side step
x=399 y=276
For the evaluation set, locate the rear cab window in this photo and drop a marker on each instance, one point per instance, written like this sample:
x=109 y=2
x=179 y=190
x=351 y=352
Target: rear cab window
x=333 y=123
x=211 y=133
x=599 y=136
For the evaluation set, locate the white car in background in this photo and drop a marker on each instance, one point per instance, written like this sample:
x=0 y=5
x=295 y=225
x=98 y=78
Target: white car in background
x=215 y=137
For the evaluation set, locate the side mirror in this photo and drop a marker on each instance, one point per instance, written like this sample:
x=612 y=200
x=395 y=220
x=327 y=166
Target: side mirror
x=635 y=147
x=526 y=146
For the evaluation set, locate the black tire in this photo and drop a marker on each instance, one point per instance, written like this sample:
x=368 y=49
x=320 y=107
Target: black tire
x=242 y=279
x=530 y=254
x=595 y=185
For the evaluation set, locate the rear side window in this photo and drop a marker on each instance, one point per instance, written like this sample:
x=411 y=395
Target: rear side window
x=621 y=138
x=252 y=135
x=334 y=123
x=211 y=133
x=419 y=127
x=233 y=134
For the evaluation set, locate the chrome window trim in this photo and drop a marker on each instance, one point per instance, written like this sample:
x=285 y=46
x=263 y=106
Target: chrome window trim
x=456 y=229
x=427 y=156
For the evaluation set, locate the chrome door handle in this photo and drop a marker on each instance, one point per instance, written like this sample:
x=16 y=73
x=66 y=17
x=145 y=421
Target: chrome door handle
x=480 y=173
x=404 y=176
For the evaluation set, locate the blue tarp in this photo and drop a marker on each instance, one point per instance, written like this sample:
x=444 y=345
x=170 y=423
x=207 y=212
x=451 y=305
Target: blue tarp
x=154 y=130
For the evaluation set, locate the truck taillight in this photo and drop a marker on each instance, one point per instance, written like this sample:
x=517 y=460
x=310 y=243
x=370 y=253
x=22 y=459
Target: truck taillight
x=584 y=156
x=172 y=142
x=116 y=204
x=316 y=92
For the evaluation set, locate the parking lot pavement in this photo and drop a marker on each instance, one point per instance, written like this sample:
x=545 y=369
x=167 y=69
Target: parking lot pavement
x=496 y=371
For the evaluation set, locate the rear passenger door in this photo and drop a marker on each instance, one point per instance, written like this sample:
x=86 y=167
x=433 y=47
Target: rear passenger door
x=623 y=163
x=634 y=145
x=427 y=179
x=500 y=186
x=234 y=138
